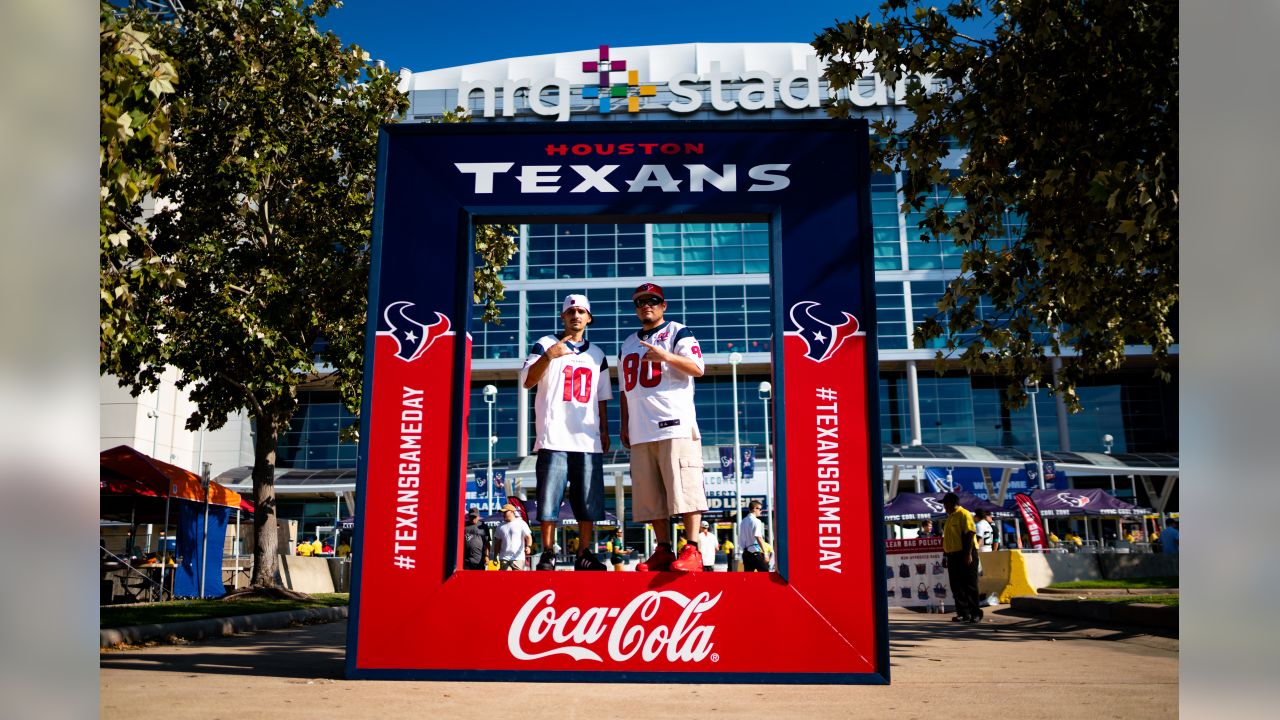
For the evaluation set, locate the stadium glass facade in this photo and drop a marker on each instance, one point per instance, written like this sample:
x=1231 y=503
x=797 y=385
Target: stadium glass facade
x=717 y=279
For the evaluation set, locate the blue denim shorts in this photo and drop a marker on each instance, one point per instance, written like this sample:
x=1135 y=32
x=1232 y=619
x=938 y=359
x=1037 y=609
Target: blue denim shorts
x=581 y=474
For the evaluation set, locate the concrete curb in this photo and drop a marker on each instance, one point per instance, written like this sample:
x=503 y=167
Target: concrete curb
x=1076 y=593
x=1164 y=617
x=216 y=627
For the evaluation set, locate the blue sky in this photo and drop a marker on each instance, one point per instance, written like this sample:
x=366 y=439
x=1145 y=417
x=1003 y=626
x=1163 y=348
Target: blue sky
x=430 y=35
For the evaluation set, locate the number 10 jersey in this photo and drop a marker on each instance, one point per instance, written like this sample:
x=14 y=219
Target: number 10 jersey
x=565 y=409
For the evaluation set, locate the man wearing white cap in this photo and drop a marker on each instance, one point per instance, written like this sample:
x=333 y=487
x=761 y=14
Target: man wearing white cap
x=707 y=545
x=572 y=378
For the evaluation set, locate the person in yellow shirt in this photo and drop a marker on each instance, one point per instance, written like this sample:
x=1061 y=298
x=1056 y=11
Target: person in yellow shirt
x=344 y=549
x=304 y=549
x=960 y=557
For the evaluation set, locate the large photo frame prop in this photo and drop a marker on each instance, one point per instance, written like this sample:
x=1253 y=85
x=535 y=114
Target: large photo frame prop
x=822 y=616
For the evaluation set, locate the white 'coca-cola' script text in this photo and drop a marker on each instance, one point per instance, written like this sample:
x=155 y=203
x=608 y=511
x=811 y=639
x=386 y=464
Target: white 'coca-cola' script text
x=630 y=629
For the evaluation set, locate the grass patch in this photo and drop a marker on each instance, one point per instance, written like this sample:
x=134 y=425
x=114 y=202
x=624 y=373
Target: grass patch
x=182 y=610
x=1131 y=584
x=1166 y=599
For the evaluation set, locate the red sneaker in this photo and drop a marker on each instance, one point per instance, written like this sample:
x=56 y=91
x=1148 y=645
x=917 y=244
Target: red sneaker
x=659 y=561
x=690 y=560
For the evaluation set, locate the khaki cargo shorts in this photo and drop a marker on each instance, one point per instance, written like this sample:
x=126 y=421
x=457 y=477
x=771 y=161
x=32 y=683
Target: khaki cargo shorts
x=666 y=479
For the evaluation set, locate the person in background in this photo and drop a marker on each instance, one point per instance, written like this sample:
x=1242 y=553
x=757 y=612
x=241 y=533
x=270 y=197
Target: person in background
x=304 y=549
x=960 y=557
x=617 y=551
x=475 y=543
x=344 y=549
x=316 y=547
x=707 y=546
x=926 y=529
x=1171 y=538
x=751 y=535
x=986 y=534
x=515 y=540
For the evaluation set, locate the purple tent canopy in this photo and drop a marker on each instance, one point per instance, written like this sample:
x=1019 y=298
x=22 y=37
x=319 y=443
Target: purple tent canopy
x=1077 y=503
x=565 y=516
x=928 y=506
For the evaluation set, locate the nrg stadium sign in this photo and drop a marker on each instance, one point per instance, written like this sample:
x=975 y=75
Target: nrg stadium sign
x=618 y=88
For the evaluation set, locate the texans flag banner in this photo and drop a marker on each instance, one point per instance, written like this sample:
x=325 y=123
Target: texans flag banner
x=825 y=604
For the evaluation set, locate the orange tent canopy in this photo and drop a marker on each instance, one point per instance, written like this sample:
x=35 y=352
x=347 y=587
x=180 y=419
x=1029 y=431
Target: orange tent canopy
x=161 y=478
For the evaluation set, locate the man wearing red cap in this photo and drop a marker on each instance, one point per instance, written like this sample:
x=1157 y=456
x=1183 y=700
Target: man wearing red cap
x=658 y=366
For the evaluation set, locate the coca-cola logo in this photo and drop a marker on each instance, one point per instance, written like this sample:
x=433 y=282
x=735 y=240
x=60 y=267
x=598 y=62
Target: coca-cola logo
x=627 y=631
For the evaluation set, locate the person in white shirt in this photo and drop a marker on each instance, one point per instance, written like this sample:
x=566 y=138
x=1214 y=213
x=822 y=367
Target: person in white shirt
x=986 y=534
x=751 y=539
x=570 y=410
x=707 y=545
x=515 y=540
x=657 y=367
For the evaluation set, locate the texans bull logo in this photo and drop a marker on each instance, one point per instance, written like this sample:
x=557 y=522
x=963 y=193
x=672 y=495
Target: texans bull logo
x=934 y=504
x=412 y=337
x=1075 y=501
x=821 y=338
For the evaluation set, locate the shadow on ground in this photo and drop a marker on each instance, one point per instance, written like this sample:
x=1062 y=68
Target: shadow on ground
x=312 y=651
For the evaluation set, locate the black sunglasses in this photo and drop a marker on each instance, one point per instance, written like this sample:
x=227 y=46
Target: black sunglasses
x=648 y=300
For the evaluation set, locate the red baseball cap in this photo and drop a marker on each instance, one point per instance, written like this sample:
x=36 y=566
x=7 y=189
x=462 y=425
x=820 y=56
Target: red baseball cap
x=649 y=289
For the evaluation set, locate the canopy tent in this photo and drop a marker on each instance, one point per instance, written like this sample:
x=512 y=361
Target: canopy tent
x=906 y=506
x=127 y=471
x=1081 y=503
x=141 y=489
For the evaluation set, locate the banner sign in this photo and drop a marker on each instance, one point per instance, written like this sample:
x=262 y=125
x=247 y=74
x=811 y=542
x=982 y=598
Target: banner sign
x=726 y=462
x=478 y=490
x=809 y=181
x=1031 y=516
x=914 y=574
x=970 y=480
x=748 y=461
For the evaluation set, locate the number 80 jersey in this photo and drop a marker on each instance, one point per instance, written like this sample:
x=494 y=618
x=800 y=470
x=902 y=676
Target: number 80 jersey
x=568 y=418
x=659 y=397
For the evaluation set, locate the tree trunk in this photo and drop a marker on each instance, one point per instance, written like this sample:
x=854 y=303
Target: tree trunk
x=265 y=552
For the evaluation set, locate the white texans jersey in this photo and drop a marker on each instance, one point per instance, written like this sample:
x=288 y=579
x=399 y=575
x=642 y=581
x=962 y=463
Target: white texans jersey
x=567 y=417
x=659 y=397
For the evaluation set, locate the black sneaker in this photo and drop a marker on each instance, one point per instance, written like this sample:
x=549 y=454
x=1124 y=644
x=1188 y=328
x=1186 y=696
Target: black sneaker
x=547 y=561
x=587 y=561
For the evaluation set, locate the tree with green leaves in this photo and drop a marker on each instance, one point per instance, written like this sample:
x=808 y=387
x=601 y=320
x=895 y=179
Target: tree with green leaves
x=266 y=218
x=135 y=93
x=1065 y=115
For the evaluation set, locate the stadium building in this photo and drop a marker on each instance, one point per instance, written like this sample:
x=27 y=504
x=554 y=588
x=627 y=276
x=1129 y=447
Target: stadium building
x=717 y=276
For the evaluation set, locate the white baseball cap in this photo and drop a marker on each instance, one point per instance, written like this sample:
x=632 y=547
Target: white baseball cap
x=576 y=301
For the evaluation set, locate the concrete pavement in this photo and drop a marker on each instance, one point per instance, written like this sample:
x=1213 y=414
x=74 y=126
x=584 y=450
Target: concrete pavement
x=1010 y=664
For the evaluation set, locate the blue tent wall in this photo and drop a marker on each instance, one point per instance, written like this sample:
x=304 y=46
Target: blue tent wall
x=186 y=576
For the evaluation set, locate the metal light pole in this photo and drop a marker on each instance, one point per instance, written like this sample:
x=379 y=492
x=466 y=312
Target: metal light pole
x=765 y=391
x=204 y=541
x=1033 y=389
x=1107 y=442
x=734 y=359
x=490 y=397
